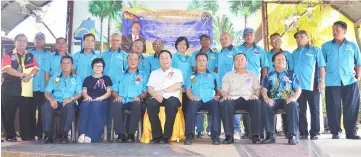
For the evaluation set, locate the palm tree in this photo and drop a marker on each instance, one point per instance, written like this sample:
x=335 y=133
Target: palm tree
x=204 y=5
x=136 y=4
x=114 y=13
x=99 y=9
x=221 y=24
x=244 y=8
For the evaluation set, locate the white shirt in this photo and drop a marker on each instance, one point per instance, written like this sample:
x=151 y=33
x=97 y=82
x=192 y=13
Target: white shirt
x=160 y=80
x=134 y=37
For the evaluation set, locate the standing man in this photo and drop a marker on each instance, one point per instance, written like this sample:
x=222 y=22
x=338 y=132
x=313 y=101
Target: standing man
x=18 y=69
x=61 y=93
x=280 y=90
x=137 y=48
x=201 y=92
x=115 y=58
x=39 y=83
x=135 y=35
x=310 y=68
x=342 y=59
x=153 y=61
x=240 y=90
x=129 y=98
x=83 y=59
x=164 y=86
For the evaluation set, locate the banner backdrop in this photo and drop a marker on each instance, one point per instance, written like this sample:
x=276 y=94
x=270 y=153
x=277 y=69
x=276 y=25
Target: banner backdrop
x=168 y=25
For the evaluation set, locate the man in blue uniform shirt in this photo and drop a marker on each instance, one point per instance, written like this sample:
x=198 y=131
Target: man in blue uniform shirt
x=137 y=47
x=309 y=66
x=342 y=56
x=153 y=61
x=61 y=93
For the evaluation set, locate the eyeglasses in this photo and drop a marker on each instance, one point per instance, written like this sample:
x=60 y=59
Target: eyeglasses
x=278 y=40
x=98 y=66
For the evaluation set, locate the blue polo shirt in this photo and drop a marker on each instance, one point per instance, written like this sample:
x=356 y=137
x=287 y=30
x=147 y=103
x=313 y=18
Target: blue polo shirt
x=225 y=60
x=212 y=59
x=52 y=64
x=281 y=85
x=115 y=63
x=143 y=65
x=256 y=58
x=183 y=63
x=307 y=61
x=341 y=62
x=203 y=85
x=288 y=57
x=130 y=85
x=83 y=63
x=62 y=88
x=153 y=62
x=39 y=78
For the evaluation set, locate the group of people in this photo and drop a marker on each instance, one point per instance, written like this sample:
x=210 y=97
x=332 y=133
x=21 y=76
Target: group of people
x=244 y=77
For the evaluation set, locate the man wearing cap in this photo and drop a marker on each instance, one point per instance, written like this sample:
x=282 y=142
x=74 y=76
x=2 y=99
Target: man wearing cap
x=257 y=61
x=39 y=85
x=135 y=35
x=309 y=66
x=205 y=41
x=342 y=59
x=153 y=61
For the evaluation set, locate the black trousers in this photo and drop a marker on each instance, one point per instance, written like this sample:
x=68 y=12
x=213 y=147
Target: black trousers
x=118 y=116
x=185 y=101
x=39 y=100
x=313 y=99
x=350 y=97
x=27 y=111
x=212 y=106
x=229 y=107
x=171 y=108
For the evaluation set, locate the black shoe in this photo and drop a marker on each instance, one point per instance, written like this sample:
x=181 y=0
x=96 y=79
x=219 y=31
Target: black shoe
x=255 y=139
x=245 y=136
x=199 y=135
x=130 y=138
x=335 y=136
x=164 y=141
x=353 y=137
x=269 y=139
x=216 y=141
x=229 y=139
x=303 y=137
x=155 y=140
x=40 y=137
x=11 y=139
x=64 y=140
x=47 y=139
x=292 y=140
x=188 y=140
x=121 y=138
x=314 y=137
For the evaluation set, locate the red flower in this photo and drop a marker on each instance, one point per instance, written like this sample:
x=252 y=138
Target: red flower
x=170 y=74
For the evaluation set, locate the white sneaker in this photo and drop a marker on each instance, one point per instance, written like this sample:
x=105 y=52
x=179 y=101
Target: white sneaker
x=81 y=138
x=237 y=135
x=222 y=136
x=87 y=139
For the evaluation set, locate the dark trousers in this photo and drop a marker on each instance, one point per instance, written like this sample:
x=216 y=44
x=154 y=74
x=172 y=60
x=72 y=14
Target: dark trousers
x=26 y=111
x=118 y=116
x=229 y=107
x=185 y=100
x=171 y=108
x=67 y=117
x=292 y=112
x=350 y=97
x=313 y=99
x=212 y=106
x=284 y=124
x=39 y=100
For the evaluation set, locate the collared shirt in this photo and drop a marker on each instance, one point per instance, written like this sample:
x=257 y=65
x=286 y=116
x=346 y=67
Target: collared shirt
x=341 y=62
x=143 y=65
x=115 y=63
x=289 y=58
x=183 y=63
x=130 y=85
x=225 y=60
x=83 y=63
x=134 y=37
x=153 y=62
x=240 y=85
x=160 y=80
x=61 y=87
x=256 y=58
x=203 y=85
x=305 y=61
x=25 y=63
x=212 y=59
x=281 y=86
x=52 y=64
x=39 y=78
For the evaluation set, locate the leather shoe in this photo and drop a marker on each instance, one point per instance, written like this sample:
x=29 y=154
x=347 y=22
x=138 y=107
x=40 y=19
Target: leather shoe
x=335 y=136
x=216 y=141
x=121 y=138
x=130 y=138
x=255 y=139
x=188 y=140
x=353 y=137
x=269 y=139
x=199 y=135
x=303 y=137
x=314 y=137
x=164 y=141
x=11 y=139
x=47 y=139
x=229 y=139
x=155 y=140
x=292 y=140
x=64 y=140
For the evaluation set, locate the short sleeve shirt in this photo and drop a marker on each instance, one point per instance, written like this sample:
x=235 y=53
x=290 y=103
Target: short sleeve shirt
x=97 y=87
x=281 y=85
x=160 y=80
x=240 y=85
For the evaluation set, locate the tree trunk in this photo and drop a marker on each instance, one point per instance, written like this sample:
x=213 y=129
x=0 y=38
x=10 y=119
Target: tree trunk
x=245 y=21
x=109 y=26
x=101 y=35
x=357 y=34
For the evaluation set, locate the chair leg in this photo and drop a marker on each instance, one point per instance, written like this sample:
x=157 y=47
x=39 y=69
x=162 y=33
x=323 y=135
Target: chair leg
x=105 y=134
x=139 y=131
x=73 y=128
x=249 y=127
x=112 y=131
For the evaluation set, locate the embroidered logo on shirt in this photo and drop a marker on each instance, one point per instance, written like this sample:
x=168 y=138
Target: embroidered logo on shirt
x=256 y=53
x=193 y=78
x=57 y=81
x=248 y=80
x=13 y=57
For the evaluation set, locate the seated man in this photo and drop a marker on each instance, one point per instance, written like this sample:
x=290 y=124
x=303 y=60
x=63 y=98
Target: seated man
x=164 y=86
x=240 y=90
x=201 y=94
x=129 y=91
x=280 y=90
x=61 y=93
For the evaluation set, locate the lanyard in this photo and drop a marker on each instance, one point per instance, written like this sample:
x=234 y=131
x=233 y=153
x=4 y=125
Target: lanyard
x=20 y=62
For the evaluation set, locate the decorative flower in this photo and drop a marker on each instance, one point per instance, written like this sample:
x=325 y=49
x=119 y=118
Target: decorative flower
x=194 y=79
x=100 y=83
x=138 y=79
x=285 y=78
x=170 y=74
